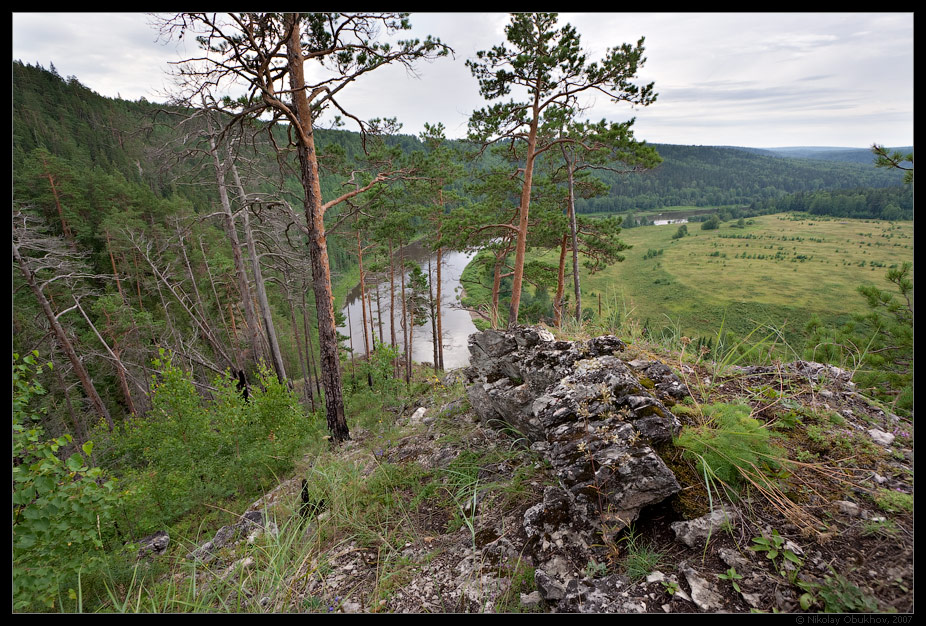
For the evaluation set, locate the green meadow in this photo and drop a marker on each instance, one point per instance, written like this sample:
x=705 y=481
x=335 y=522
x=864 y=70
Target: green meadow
x=774 y=272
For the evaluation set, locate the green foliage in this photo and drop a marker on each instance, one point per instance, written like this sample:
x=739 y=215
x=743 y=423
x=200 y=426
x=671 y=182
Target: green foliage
x=671 y=586
x=641 y=558
x=894 y=159
x=733 y=577
x=774 y=546
x=62 y=505
x=522 y=579
x=894 y=501
x=189 y=450
x=837 y=594
x=712 y=223
x=877 y=345
x=681 y=232
x=730 y=446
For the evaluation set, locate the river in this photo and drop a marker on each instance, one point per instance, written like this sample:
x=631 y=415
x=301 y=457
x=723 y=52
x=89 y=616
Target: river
x=677 y=217
x=456 y=323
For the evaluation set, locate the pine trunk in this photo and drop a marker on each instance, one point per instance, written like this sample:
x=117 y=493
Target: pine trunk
x=318 y=247
x=521 y=247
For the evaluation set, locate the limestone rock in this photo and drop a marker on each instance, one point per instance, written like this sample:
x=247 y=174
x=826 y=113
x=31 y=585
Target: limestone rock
x=880 y=437
x=703 y=593
x=590 y=414
x=695 y=532
x=154 y=545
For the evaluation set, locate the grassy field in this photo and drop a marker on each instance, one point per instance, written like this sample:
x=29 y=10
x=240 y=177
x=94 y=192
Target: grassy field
x=778 y=270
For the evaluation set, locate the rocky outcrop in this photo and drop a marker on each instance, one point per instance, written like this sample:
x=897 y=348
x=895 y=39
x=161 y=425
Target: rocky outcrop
x=250 y=525
x=585 y=410
x=590 y=415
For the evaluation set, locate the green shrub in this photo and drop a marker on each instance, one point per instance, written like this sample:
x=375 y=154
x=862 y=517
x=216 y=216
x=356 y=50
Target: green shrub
x=711 y=223
x=61 y=506
x=730 y=446
x=188 y=450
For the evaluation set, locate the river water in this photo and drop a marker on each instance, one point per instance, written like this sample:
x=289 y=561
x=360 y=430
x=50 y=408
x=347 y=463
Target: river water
x=677 y=217
x=457 y=325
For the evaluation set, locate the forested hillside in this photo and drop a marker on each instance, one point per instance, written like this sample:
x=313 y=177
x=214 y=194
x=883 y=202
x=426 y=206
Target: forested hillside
x=122 y=189
x=714 y=176
x=821 y=153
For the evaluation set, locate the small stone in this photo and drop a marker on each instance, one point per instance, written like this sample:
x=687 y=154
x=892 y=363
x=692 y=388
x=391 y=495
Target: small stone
x=696 y=531
x=549 y=589
x=154 y=545
x=847 y=508
x=752 y=598
x=880 y=437
x=350 y=606
x=702 y=592
x=655 y=577
x=418 y=416
x=531 y=600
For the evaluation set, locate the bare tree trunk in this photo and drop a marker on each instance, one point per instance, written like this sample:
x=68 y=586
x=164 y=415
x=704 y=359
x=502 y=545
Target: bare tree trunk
x=440 y=327
x=112 y=260
x=395 y=362
x=410 y=323
x=200 y=323
x=114 y=353
x=244 y=289
x=363 y=302
x=392 y=295
x=63 y=341
x=218 y=302
x=406 y=330
x=141 y=306
x=560 y=284
x=496 y=287
x=350 y=338
x=198 y=301
x=573 y=230
x=308 y=338
x=80 y=433
x=318 y=247
x=379 y=314
x=434 y=338
x=372 y=326
x=65 y=228
x=306 y=381
x=276 y=354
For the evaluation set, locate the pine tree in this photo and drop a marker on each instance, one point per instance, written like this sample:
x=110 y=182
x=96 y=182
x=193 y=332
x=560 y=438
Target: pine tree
x=549 y=64
x=269 y=51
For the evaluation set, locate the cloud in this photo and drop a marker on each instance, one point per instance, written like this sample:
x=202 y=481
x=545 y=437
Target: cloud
x=766 y=69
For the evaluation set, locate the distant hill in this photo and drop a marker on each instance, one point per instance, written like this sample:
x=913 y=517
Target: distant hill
x=721 y=175
x=88 y=130
x=823 y=153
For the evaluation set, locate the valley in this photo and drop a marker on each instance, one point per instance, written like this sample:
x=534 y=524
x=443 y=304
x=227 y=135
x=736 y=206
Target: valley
x=774 y=272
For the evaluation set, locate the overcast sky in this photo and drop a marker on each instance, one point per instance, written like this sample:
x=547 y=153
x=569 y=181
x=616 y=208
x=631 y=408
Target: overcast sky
x=744 y=79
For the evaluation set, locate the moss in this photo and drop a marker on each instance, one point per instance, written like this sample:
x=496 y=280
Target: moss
x=894 y=501
x=693 y=501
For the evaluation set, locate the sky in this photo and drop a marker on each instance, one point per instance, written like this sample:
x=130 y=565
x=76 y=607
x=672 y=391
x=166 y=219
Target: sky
x=742 y=79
